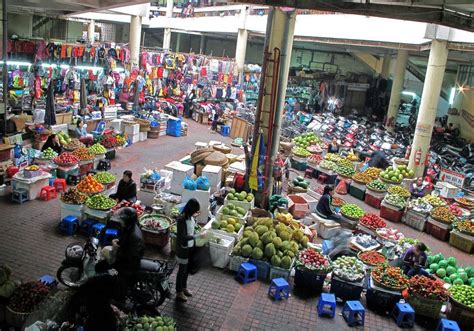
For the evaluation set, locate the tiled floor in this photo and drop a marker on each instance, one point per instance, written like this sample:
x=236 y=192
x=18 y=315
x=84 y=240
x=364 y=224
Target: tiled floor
x=30 y=244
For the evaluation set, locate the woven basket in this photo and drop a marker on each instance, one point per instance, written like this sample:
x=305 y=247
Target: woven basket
x=144 y=125
x=156 y=238
x=15 y=318
x=217 y=159
x=222 y=148
x=292 y=189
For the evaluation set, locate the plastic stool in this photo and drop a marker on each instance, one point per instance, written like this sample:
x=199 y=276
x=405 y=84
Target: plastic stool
x=322 y=179
x=97 y=228
x=404 y=315
x=60 y=185
x=308 y=173
x=87 y=227
x=247 y=273
x=51 y=181
x=278 y=287
x=327 y=305
x=354 y=313
x=69 y=225
x=48 y=192
x=73 y=179
x=448 y=325
x=48 y=280
x=225 y=130
x=109 y=235
x=20 y=195
x=104 y=165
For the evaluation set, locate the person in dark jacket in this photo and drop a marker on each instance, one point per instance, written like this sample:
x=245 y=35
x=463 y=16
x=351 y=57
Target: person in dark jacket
x=414 y=260
x=324 y=208
x=127 y=189
x=185 y=238
x=53 y=143
x=333 y=147
x=378 y=160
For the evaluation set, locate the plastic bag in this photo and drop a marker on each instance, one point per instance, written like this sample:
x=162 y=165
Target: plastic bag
x=189 y=184
x=341 y=188
x=202 y=183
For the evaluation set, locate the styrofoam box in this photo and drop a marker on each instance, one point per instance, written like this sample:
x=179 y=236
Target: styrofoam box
x=180 y=171
x=143 y=136
x=244 y=204
x=117 y=125
x=214 y=142
x=135 y=138
x=200 y=145
x=132 y=129
x=220 y=252
x=203 y=198
x=214 y=175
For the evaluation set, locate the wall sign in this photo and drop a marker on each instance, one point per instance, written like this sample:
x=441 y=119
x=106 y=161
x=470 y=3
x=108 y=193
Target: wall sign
x=452 y=177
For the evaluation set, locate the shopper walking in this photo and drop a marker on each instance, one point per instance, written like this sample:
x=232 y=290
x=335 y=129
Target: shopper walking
x=184 y=247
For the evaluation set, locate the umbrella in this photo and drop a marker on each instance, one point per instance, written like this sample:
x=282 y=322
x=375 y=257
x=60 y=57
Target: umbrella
x=50 y=113
x=255 y=179
x=83 y=97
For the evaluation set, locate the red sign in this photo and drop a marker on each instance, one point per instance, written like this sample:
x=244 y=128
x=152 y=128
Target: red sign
x=452 y=177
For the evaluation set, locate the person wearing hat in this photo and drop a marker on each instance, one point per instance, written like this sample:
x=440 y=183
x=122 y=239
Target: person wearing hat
x=185 y=241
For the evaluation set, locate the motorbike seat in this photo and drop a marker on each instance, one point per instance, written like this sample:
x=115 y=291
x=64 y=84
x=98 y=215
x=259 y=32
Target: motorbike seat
x=150 y=265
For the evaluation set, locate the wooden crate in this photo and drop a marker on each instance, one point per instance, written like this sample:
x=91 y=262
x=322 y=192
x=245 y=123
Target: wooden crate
x=240 y=129
x=63 y=118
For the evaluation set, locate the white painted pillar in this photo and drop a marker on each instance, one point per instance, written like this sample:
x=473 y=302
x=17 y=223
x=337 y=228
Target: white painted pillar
x=386 y=66
x=135 y=38
x=397 y=88
x=241 y=47
x=429 y=105
x=91 y=31
x=167 y=31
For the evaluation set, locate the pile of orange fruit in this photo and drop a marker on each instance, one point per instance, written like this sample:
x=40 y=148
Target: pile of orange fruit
x=90 y=185
x=83 y=154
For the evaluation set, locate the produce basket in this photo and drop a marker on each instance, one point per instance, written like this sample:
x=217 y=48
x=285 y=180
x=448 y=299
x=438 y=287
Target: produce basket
x=159 y=238
x=220 y=251
x=375 y=190
x=376 y=283
x=369 y=264
x=388 y=181
x=346 y=290
x=461 y=313
x=144 y=124
x=355 y=219
x=359 y=181
x=311 y=281
x=15 y=318
x=399 y=161
x=277 y=272
x=235 y=261
x=263 y=268
x=438 y=219
x=465 y=205
x=292 y=189
x=425 y=307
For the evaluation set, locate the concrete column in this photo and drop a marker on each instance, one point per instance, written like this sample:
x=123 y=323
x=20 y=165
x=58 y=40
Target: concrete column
x=178 y=41
x=202 y=45
x=135 y=38
x=167 y=32
x=241 y=47
x=91 y=31
x=386 y=66
x=280 y=33
x=429 y=104
x=397 y=88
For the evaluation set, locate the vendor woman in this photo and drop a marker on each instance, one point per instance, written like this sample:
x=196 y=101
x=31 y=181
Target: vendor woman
x=333 y=146
x=414 y=260
x=81 y=133
x=53 y=143
x=324 y=208
x=418 y=188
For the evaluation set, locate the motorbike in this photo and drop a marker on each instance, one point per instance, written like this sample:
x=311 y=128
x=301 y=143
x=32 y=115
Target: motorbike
x=151 y=284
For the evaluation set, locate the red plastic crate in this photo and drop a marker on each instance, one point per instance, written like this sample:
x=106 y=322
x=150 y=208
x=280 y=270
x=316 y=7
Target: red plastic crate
x=373 y=200
x=437 y=229
x=5 y=154
x=391 y=214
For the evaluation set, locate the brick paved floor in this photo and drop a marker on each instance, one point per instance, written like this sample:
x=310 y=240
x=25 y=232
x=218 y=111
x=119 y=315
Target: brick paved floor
x=30 y=244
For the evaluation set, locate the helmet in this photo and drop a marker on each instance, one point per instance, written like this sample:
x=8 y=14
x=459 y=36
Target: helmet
x=74 y=251
x=127 y=216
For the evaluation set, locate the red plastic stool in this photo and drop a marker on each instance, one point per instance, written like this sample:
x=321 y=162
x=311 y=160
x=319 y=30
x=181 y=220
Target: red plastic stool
x=308 y=173
x=47 y=193
x=322 y=179
x=60 y=185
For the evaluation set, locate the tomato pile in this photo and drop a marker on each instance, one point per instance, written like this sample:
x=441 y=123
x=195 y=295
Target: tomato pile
x=312 y=260
x=337 y=202
x=140 y=210
x=372 y=258
x=372 y=221
x=455 y=210
x=428 y=288
x=391 y=277
x=66 y=159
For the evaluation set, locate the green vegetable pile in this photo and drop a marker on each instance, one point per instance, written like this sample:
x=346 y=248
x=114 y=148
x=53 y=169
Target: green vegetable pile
x=233 y=211
x=242 y=196
x=345 y=170
x=377 y=185
x=329 y=165
x=306 y=140
x=352 y=211
x=449 y=272
x=105 y=177
x=395 y=200
x=463 y=294
x=97 y=149
x=149 y=323
x=48 y=154
x=300 y=182
x=101 y=202
x=301 y=152
x=398 y=174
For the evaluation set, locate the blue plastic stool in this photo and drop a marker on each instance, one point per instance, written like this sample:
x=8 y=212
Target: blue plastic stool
x=109 y=235
x=279 y=288
x=225 y=130
x=20 y=195
x=69 y=225
x=448 y=325
x=404 y=315
x=97 y=228
x=87 y=227
x=48 y=280
x=354 y=313
x=247 y=273
x=327 y=305
x=51 y=181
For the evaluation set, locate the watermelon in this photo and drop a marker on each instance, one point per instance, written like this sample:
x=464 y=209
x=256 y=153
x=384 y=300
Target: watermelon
x=434 y=267
x=453 y=277
x=458 y=281
x=441 y=273
x=443 y=264
x=430 y=259
x=463 y=276
x=429 y=271
x=452 y=261
x=451 y=270
x=447 y=280
x=470 y=271
x=470 y=280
